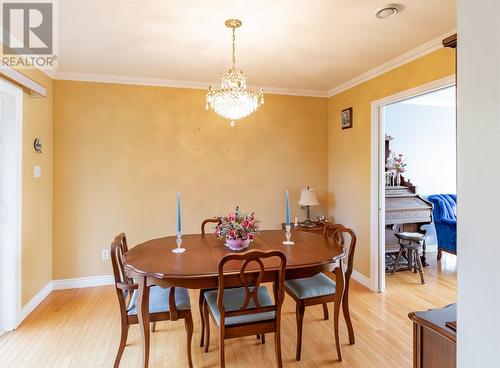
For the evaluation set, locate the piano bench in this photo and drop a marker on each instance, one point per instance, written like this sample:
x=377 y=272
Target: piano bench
x=414 y=241
x=411 y=237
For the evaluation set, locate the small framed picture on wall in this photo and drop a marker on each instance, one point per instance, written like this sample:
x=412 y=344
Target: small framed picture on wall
x=346 y=118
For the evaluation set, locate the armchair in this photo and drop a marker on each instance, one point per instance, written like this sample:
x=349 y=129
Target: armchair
x=445 y=220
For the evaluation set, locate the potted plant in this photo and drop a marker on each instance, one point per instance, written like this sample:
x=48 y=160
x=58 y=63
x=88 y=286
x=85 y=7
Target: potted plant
x=237 y=229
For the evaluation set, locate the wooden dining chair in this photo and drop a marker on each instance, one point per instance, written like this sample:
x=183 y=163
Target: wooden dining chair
x=246 y=310
x=217 y=221
x=321 y=289
x=159 y=303
x=213 y=220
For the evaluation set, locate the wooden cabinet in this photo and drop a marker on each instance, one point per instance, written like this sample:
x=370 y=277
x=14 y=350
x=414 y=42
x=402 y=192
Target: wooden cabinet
x=434 y=340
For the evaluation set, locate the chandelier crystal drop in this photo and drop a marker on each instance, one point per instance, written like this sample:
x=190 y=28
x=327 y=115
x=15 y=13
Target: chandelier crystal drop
x=233 y=100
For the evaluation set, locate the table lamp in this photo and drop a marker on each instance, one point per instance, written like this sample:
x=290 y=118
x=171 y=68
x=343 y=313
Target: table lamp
x=308 y=199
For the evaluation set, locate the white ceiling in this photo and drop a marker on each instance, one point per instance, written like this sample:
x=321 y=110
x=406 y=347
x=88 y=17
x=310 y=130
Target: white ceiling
x=292 y=44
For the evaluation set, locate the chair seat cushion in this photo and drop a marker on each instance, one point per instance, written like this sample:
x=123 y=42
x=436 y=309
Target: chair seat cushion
x=158 y=300
x=233 y=300
x=416 y=237
x=311 y=287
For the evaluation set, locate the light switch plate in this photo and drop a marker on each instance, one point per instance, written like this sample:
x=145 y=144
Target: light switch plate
x=37 y=171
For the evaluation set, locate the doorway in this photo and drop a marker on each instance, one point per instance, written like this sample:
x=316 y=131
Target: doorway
x=380 y=110
x=11 y=108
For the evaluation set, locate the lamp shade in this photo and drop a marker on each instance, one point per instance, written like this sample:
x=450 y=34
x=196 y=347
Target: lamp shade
x=308 y=197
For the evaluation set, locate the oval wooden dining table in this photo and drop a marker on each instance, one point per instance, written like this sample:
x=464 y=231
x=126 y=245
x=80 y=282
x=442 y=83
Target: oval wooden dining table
x=153 y=263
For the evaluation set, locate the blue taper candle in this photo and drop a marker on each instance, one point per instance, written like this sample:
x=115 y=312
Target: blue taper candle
x=179 y=227
x=287 y=210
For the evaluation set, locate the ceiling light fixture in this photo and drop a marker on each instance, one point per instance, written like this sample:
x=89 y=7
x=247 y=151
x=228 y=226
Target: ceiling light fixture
x=233 y=100
x=387 y=11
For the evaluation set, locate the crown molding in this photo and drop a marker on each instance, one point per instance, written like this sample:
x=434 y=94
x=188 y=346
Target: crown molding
x=23 y=80
x=172 y=83
x=48 y=72
x=422 y=50
x=292 y=91
x=121 y=79
x=407 y=57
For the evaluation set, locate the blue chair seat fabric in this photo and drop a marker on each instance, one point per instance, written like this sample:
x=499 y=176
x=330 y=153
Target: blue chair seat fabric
x=233 y=301
x=311 y=287
x=158 y=300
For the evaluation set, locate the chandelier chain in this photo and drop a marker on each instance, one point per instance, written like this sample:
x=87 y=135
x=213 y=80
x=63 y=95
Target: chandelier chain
x=234 y=47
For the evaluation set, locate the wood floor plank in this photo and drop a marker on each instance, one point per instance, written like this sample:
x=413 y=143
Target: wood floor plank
x=79 y=328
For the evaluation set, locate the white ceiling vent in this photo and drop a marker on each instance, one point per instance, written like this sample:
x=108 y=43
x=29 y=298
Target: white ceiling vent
x=387 y=11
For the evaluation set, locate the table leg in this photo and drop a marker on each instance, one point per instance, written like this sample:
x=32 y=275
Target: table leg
x=143 y=315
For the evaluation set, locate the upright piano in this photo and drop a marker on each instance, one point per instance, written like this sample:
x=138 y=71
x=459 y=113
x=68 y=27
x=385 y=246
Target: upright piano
x=403 y=206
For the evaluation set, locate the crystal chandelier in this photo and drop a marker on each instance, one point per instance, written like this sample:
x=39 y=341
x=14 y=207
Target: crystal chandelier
x=233 y=100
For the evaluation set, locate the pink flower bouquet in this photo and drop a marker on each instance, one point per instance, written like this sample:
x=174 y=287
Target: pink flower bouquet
x=238 y=229
x=396 y=163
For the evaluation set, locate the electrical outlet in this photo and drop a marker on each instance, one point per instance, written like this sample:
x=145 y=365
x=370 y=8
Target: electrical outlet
x=105 y=255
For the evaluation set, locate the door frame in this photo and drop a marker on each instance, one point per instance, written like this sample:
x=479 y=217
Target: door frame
x=377 y=180
x=11 y=130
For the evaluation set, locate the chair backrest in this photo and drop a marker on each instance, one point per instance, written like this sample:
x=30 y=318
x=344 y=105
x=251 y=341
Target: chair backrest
x=444 y=206
x=251 y=281
x=123 y=284
x=214 y=220
x=347 y=239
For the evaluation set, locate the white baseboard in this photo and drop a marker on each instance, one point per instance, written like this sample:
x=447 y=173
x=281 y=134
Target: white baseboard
x=35 y=302
x=363 y=280
x=368 y=283
x=83 y=282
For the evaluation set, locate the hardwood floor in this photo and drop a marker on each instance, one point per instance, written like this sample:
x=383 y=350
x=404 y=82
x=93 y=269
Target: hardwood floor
x=80 y=328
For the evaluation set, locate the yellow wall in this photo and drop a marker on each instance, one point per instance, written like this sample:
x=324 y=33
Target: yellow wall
x=349 y=150
x=36 y=192
x=122 y=152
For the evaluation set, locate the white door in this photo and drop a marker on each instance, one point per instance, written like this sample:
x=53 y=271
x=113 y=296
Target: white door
x=11 y=100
